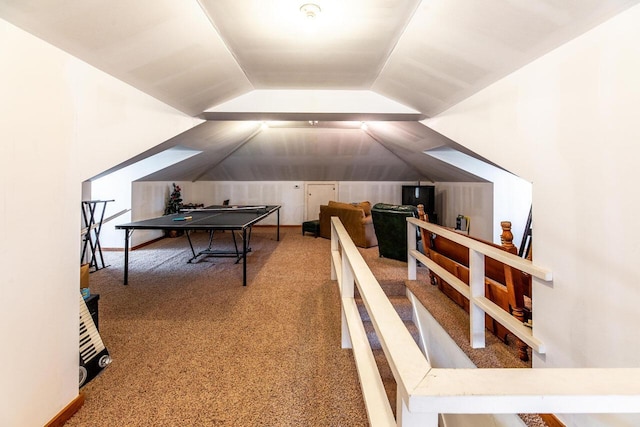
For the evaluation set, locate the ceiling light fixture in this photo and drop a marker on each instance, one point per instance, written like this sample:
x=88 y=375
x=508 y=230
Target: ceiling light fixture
x=310 y=10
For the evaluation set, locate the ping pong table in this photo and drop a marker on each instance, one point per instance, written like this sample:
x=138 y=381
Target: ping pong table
x=211 y=218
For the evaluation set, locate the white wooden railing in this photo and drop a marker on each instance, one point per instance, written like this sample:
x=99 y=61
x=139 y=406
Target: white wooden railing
x=423 y=391
x=474 y=292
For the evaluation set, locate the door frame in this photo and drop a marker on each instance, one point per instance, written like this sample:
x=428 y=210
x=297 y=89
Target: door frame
x=306 y=193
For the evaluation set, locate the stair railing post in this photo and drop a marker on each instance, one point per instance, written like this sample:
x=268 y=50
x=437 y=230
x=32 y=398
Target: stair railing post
x=411 y=244
x=347 y=290
x=335 y=247
x=476 y=288
x=405 y=418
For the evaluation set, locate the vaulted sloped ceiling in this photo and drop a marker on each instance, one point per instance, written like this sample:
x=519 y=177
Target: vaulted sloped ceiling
x=345 y=48
x=198 y=54
x=166 y=48
x=409 y=140
x=215 y=139
x=294 y=155
x=294 y=148
x=452 y=49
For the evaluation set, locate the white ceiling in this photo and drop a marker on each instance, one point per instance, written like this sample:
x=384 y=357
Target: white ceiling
x=195 y=55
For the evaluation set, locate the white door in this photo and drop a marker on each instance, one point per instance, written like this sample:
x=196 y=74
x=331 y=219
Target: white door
x=318 y=194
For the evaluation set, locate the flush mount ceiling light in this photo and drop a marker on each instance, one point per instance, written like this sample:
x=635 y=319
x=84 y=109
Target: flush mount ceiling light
x=310 y=10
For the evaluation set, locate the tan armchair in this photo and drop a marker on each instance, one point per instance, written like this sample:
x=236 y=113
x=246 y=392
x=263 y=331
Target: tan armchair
x=356 y=219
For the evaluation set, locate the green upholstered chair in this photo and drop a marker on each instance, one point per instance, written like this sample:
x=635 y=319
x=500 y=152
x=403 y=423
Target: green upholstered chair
x=390 y=225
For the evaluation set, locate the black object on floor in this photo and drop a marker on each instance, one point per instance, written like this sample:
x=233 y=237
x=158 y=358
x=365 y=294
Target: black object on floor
x=311 y=227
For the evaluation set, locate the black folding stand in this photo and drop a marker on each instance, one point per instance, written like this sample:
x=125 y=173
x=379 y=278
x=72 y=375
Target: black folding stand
x=93 y=226
x=246 y=241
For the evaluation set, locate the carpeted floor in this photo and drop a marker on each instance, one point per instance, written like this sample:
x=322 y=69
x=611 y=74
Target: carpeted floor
x=192 y=347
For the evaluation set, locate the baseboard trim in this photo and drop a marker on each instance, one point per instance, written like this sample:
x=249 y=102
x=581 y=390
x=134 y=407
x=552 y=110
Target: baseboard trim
x=551 y=420
x=68 y=412
x=141 y=245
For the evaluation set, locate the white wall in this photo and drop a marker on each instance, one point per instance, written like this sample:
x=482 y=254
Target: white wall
x=472 y=199
x=568 y=123
x=148 y=199
x=374 y=192
x=511 y=194
x=61 y=122
x=290 y=194
x=282 y=193
x=117 y=186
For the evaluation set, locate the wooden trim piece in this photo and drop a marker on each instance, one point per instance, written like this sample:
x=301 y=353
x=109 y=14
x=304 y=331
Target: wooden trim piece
x=274 y=225
x=142 y=245
x=67 y=412
x=551 y=420
x=488 y=250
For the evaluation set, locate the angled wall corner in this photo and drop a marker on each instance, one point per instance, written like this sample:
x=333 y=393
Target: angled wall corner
x=512 y=195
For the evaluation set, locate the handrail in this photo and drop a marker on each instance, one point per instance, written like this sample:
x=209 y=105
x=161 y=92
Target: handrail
x=535 y=390
x=514 y=326
x=474 y=292
x=424 y=392
x=487 y=250
x=408 y=364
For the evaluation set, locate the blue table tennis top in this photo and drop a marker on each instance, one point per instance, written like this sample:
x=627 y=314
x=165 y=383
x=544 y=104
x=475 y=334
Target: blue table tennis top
x=208 y=218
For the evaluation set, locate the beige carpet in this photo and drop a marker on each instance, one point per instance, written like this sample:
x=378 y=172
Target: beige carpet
x=192 y=347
